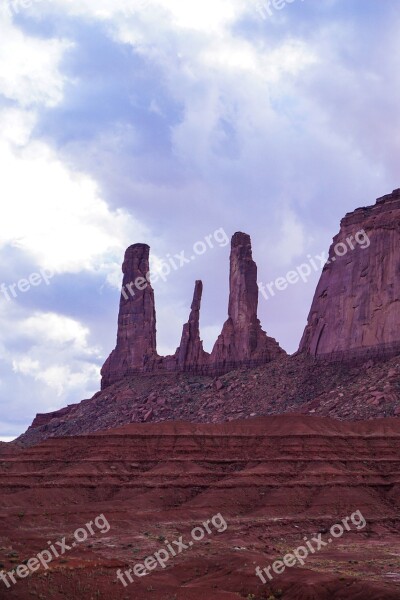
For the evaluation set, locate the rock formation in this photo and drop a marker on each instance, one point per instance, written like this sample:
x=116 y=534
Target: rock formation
x=241 y=343
x=136 y=336
x=355 y=313
x=190 y=353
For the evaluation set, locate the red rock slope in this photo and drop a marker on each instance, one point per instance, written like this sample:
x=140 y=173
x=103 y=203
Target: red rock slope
x=274 y=480
x=291 y=384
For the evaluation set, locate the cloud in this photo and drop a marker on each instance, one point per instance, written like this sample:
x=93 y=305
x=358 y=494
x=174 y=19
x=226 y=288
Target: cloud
x=50 y=352
x=162 y=121
x=52 y=207
x=30 y=72
x=53 y=216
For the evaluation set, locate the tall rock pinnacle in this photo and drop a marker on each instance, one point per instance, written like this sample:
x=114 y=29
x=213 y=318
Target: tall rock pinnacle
x=242 y=340
x=241 y=343
x=356 y=308
x=190 y=354
x=136 y=337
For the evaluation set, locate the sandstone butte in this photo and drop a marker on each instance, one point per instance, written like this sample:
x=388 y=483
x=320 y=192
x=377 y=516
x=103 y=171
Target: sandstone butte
x=355 y=314
x=242 y=341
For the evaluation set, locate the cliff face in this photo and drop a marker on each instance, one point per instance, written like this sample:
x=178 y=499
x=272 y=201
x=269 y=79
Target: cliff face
x=356 y=308
x=355 y=313
x=241 y=343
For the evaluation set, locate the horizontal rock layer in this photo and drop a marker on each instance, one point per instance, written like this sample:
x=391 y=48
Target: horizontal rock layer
x=273 y=481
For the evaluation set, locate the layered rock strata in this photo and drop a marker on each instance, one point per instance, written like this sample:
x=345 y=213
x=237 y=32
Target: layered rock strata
x=355 y=313
x=272 y=480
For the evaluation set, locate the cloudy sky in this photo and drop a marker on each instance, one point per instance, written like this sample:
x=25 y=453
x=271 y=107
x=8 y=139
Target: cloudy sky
x=162 y=121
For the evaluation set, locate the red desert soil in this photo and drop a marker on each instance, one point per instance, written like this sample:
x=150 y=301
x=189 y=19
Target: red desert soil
x=273 y=479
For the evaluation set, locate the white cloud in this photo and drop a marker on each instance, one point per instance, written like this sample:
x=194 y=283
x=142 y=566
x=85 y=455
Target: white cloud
x=292 y=238
x=49 y=206
x=206 y=16
x=63 y=378
x=53 y=328
x=26 y=365
x=16 y=126
x=30 y=66
x=58 y=354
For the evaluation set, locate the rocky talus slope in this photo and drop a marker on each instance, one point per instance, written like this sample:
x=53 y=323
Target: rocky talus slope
x=297 y=384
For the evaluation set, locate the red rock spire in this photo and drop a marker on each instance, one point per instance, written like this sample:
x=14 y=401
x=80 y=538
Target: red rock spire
x=242 y=339
x=136 y=336
x=190 y=353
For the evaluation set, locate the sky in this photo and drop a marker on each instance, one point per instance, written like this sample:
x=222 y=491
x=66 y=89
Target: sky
x=163 y=122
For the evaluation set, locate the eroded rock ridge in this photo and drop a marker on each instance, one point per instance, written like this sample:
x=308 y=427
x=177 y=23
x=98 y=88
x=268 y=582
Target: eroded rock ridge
x=242 y=341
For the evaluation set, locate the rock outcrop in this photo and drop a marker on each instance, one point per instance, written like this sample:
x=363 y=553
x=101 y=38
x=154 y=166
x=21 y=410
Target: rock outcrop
x=242 y=340
x=136 y=336
x=241 y=343
x=190 y=354
x=355 y=313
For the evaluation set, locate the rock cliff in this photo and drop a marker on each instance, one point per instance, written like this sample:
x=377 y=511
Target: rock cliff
x=355 y=313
